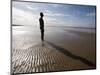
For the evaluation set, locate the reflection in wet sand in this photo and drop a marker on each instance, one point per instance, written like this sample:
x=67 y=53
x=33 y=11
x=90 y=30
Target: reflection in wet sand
x=57 y=53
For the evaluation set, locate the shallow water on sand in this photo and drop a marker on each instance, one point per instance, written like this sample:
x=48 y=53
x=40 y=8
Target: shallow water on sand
x=27 y=49
x=35 y=30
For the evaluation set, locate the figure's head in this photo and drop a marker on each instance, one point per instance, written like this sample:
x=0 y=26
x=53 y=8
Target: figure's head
x=41 y=14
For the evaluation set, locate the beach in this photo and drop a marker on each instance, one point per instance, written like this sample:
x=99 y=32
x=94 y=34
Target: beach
x=63 y=49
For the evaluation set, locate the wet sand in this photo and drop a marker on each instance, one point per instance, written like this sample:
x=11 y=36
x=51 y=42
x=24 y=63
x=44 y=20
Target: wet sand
x=63 y=49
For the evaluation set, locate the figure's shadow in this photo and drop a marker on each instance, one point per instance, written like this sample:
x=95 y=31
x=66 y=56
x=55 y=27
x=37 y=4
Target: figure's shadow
x=67 y=53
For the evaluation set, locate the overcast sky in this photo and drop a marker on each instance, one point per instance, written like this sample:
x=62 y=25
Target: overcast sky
x=27 y=13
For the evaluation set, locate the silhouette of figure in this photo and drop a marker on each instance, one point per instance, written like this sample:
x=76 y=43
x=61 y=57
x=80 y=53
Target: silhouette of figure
x=41 y=21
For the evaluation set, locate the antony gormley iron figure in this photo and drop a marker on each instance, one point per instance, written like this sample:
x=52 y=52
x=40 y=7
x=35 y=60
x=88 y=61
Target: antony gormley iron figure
x=41 y=21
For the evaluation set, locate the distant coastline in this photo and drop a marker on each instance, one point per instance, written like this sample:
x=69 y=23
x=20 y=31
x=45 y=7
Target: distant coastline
x=57 y=26
x=16 y=25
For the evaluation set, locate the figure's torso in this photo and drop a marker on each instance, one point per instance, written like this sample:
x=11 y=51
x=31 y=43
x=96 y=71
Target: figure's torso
x=41 y=22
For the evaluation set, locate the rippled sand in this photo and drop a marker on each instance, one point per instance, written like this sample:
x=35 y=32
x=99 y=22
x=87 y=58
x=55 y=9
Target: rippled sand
x=62 y=50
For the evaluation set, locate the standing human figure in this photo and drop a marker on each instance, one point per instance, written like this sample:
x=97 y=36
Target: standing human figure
x=41 y=21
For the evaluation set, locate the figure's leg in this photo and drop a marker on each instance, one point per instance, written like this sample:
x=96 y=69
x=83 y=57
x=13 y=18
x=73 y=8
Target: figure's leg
x=42 y=35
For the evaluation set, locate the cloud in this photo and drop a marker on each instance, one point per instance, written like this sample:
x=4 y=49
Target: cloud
x=28 y=14
x=23 y=17
x=31 y=8
x=51 y=13
x=56 y=5
x=90 y=14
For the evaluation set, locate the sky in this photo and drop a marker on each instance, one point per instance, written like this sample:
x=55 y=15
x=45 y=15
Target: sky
x=28 y=13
